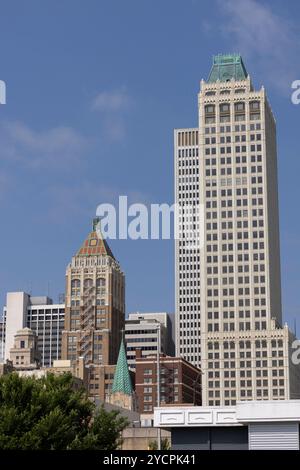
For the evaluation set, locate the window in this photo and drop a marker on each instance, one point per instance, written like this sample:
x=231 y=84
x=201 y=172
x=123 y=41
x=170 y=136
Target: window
x=254 y=105
x=209 y=109
x=147 y=407
x=100 y=282
x=88 y=283
x=75 y=283
x=239 y=107
x=224 y=108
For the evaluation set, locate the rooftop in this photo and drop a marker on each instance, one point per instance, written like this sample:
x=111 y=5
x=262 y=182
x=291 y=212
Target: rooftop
x=227 y=67
x=95 y=244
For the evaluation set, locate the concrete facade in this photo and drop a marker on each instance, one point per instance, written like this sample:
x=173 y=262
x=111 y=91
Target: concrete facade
x=248 y=425
x=135 y=438
x=141 y=332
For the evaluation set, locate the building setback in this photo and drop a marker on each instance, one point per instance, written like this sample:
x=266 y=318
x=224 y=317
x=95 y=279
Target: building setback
x=228 y=292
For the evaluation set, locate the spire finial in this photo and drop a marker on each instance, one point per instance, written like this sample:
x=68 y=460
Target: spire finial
x=96 y=224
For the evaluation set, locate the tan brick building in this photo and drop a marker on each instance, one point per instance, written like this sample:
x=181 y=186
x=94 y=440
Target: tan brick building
x=95 y=311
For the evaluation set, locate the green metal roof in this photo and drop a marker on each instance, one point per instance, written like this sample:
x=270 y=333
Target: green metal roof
x=227 y=66
x=122 y=381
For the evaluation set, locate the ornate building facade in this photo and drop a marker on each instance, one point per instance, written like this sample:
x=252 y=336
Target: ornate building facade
x=95 y=310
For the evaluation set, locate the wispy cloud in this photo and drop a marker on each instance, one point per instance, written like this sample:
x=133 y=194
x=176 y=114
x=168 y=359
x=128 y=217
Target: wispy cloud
x=82 y=199
x=255 y=30
x=51 y=148
x=113 y=106
x=111 y=101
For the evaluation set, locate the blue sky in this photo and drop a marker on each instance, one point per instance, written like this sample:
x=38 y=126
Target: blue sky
x=94 y=90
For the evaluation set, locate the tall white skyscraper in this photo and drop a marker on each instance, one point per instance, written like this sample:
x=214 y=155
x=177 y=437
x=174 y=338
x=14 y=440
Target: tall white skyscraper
x=228 y=304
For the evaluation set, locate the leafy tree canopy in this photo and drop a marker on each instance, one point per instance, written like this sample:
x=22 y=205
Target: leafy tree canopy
x=50 y=413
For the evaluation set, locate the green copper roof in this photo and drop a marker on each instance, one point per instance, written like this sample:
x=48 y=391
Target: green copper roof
x=227 y=66
x=122 y=381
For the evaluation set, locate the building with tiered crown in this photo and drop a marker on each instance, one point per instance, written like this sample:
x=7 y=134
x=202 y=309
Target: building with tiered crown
x=94 y=311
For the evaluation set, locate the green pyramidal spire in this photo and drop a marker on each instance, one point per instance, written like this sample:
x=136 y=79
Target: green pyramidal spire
x=227 y=66
x=122 y=381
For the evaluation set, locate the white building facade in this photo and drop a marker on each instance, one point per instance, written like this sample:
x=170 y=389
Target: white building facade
x=228 y=288
x=141 y=332
x=39 y=314
x=255 y=425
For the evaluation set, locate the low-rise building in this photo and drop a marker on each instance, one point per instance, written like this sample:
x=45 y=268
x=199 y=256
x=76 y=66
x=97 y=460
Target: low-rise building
x=24 y=353
x=249 y=425
x=143 y=331
x=180 y=382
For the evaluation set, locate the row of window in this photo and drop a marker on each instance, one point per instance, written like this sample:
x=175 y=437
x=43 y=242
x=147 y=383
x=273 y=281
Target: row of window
x=225 y=91
x=237 y=149
x=238 y=181
x=229 y=160
x=239 y=106
x=235 y=128
x=227 y=139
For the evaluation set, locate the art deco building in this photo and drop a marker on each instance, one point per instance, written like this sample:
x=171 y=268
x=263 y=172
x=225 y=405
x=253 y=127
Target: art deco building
x=228 y=304
x=94 y=310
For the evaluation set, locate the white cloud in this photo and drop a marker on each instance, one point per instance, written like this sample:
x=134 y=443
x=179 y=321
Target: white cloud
x=51 y=148
x=112 y=106
x=111 y=101
x=260 y=34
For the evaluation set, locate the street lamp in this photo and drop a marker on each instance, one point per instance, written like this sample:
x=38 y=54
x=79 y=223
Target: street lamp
x=158 y=384
x=195 y=385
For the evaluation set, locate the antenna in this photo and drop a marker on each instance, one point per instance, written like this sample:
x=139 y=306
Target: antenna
x=123 y=335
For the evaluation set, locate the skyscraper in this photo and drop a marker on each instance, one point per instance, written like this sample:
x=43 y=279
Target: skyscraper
x=39 y=314
x=95 y=308
x=228 y=305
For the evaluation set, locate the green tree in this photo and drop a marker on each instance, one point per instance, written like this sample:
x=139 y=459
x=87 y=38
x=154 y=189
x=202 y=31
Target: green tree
x=50 y=413
x=165 y=444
